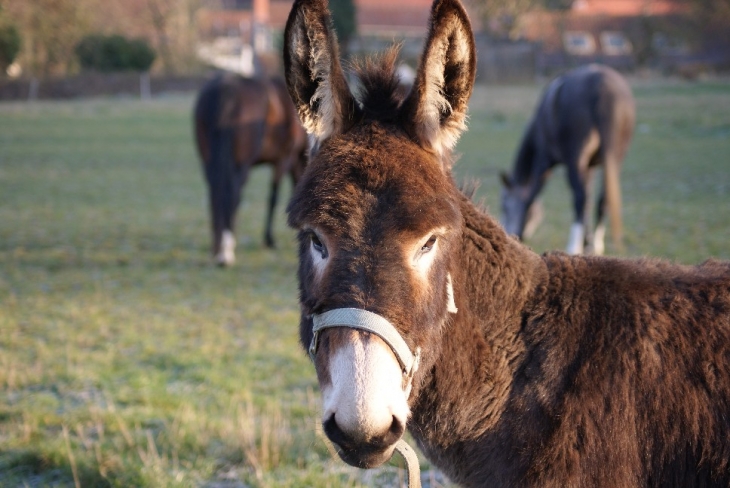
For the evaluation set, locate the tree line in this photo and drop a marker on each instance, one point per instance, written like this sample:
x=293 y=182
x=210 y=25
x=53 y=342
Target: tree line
x=59 y=37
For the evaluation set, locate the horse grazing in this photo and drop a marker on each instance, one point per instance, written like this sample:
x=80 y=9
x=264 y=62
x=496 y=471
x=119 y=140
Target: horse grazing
x=239 y=123
x=584 y=120
x=509 y=368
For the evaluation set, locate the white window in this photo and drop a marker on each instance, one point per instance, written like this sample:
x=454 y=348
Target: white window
x=579 y=43
x=668 y=45
x=615 y=43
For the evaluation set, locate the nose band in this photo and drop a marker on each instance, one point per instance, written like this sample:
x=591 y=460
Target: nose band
x=356 y=318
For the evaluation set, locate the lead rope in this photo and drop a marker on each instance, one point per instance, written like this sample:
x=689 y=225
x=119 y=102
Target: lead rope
x=413 y=470
x=363 y=320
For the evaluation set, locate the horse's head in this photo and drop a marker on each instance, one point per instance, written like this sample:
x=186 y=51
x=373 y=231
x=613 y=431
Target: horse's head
x=521 y=211
x=379 y=221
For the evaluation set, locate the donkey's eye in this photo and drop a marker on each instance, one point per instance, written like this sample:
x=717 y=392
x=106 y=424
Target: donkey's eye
x=317 y=245
x=429 y=244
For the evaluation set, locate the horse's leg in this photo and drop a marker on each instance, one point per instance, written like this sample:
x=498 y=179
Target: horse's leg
x=589 y=235
x=216 y=219
x=221 y=174
x=576 y=241
x=577 y=179
x=599 y=246
x=273 y=198
x=235 y=185
x=224 y=241
x=281 y=168
x=599 y=237
x=579 y=160
x=224 y=219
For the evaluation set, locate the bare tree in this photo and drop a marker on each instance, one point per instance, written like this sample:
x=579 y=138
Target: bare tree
x=50 y=30
x=173 y=24
x=160 y=14
x=713 y=18
x=501 y=17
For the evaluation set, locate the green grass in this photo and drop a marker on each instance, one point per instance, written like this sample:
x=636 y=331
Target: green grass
x=127 y=359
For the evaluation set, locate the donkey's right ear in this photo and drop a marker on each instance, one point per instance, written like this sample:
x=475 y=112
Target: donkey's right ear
x=314 y=75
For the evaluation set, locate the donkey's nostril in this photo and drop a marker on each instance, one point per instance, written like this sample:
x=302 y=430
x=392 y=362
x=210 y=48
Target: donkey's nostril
x=397 y=428
x=335 y=434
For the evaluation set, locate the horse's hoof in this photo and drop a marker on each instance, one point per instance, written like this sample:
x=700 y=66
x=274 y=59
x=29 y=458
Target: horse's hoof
x=223 y=262
x=226 y=255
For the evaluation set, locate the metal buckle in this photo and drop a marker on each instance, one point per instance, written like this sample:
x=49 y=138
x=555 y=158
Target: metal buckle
x=313 y=346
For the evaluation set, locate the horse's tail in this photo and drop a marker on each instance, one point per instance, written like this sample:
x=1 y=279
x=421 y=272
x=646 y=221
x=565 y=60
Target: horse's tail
x=616 y=136
x=612 y=169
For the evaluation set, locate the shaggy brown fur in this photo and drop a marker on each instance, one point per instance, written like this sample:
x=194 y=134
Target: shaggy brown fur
x=556 y=371
x=242 y=122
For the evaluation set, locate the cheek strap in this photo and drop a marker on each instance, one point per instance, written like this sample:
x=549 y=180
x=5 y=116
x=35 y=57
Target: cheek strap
x=356 y=318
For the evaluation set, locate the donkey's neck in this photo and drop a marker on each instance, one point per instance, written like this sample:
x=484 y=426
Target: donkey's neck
x=498 y=275
x=496 y=281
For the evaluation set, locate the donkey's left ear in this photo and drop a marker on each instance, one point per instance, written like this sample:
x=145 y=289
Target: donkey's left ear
x=435 y=111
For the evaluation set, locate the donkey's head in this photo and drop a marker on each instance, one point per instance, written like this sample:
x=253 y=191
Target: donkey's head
x=379 y=221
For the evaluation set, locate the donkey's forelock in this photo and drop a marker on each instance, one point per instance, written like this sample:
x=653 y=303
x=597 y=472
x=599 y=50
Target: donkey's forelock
x=378 y=90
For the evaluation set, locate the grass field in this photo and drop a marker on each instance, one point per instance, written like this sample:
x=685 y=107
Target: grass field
x=127 y=359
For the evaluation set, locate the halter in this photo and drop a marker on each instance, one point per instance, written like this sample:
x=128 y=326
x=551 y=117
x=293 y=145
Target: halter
x=356 y=318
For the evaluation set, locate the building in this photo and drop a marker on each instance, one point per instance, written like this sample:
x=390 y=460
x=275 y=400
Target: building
x=227 y=28
x=621 y=33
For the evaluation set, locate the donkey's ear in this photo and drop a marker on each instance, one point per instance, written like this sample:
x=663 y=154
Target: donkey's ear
x=314 y=75
x=435 y=111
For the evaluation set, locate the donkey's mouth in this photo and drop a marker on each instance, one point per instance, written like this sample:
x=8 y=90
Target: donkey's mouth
x=362 y=454
x=365 y=457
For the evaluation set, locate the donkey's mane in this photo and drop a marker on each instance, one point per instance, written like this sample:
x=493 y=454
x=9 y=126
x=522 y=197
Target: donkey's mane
x=378 y=85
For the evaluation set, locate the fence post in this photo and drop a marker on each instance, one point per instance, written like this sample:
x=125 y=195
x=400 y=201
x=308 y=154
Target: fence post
x=33 y=89
x=145 y=88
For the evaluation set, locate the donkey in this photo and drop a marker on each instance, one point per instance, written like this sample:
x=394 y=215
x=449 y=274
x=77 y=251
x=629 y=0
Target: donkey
x=584 y=120
x=239 y=123
x=509 y=368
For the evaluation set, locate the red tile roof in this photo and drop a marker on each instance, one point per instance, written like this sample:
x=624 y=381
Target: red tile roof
x=384 y=17
x=627 y=8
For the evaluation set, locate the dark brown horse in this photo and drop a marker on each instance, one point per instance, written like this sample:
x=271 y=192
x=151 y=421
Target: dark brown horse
x=509 y=368
x=584 y=120
x=239 y=123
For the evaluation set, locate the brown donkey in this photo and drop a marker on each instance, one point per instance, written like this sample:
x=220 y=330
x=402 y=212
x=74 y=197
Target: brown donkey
x=510 y=369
